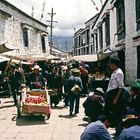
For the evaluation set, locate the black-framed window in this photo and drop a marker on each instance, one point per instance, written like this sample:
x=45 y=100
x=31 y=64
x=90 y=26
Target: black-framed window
x=96 y=38
x=120 y=9
x=101 y=36
x=87 y=50
x=138 y=62
x=91 y=48
x=87 y=36
x=138 y=14
x=107 y=29
x=43 y=44
x=79 y=41
x=25 y=37
x=76 y=42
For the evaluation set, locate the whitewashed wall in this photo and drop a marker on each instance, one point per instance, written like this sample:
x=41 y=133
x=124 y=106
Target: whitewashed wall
x=12 y=33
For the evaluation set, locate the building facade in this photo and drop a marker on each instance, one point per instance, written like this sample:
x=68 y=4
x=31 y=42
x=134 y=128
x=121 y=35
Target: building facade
x=83 y=41
x=117 y=29
x=22 y=32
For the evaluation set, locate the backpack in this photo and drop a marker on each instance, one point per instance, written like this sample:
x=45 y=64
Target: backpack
x=76 y=89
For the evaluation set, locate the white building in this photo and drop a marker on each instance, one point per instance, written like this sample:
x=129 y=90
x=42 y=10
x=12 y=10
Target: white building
x=22 y=32
x=117 y=28
x=83 y=41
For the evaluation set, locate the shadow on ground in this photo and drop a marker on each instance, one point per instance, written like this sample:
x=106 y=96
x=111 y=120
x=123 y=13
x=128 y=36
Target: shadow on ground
x=58 y=107
x=67 y=116
x=30 y=120
x=6 y=106
x=83 y=124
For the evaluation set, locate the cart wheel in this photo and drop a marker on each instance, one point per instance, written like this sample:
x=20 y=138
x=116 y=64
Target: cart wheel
x=18 y=113
x=48 y=116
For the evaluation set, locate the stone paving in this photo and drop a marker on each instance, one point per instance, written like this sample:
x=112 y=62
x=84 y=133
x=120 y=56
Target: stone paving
x=60 y=126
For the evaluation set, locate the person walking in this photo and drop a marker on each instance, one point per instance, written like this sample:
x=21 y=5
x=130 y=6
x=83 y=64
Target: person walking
x=74 y=99
x=54 y=83
x=15 y=80
x=114 y=98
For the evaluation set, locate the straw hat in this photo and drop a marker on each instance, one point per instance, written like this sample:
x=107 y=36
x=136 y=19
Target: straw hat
x=36 y=67
x=99 y=89
x=131 y=120
x=129 y=117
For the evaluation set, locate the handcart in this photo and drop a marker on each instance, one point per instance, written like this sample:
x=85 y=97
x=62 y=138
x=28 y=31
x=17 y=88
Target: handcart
x=33 y=102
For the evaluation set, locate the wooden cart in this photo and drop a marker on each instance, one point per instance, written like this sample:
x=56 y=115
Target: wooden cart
x=33 y=102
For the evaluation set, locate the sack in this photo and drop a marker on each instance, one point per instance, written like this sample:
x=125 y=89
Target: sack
x=76 y=89
x=53 y=92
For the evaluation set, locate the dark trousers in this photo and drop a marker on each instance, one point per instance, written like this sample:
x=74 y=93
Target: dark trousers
x=74 y=103
x=14 y=94
x=118 y=110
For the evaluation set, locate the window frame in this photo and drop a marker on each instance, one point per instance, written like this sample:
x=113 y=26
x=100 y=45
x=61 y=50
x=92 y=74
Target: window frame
x=120 y=14
x=138 y=14
x=25 y=37
x=107 y=30
x=43 y=44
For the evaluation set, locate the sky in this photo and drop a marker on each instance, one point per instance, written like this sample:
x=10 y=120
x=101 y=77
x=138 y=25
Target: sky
x=69 y=14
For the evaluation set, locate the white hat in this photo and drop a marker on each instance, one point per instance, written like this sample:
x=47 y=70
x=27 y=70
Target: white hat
x=100 y=89
x=36 y=67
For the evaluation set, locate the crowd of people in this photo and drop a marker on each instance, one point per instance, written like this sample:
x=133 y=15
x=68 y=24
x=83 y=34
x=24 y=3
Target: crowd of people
x=118 y=104
x=70 y=82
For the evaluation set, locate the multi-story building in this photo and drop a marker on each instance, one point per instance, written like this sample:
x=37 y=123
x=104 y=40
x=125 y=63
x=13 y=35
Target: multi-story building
x=22 y=32
x=117 y=29
x=83 y=41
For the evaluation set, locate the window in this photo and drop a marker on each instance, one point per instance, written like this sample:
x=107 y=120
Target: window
x=43 y=44
x=76 y=42
x=91 y=49
x=87 y=50
x=138 y=14
x=87 y=37
x=96 y=37
x=79 y=41
x=120 y=19
x=101 y=37
x=25 y=37
x=138 y=61
x=107 y=30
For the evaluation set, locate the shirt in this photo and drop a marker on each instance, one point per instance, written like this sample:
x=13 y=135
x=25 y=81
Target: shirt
x=131 y=133
x=96 y=131
x=116 y=80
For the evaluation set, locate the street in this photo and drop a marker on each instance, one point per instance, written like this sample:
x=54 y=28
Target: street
x=60 y=126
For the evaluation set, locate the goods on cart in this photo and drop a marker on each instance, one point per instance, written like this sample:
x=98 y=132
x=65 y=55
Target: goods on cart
x=35 y=102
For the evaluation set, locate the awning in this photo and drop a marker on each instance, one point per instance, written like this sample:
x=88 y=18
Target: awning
x=13 y=60
x=86 y=58
x=109 y=52
x=52 y=57
x=3 y=48
x=105 y=54
x=37 y=57
x=3 y=59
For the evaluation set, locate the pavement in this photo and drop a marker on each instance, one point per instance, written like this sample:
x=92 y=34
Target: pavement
x=60 y=126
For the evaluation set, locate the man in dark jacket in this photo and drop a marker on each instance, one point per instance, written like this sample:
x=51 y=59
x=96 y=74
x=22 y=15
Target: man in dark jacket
x=74 y=99
x=36 y=80
x=93 y=105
